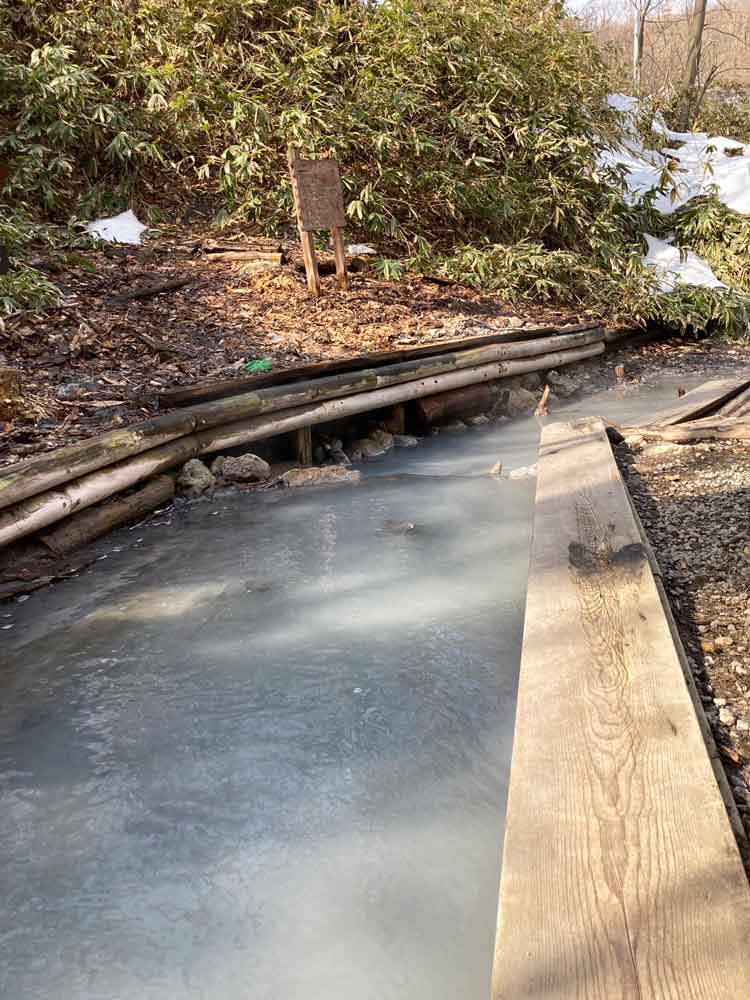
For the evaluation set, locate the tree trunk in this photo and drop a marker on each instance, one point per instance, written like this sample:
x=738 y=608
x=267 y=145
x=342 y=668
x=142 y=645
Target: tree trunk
x=639 y=37
x=692 y=66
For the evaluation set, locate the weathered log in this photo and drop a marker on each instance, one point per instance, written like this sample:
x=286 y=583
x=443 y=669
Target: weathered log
x=148 y=290
x=220 y=388
x=249 y=256
x=43 y=509
x=707 y=429
x=465 y=402
x=96 y=521
x=252 y=429
x=34 y=475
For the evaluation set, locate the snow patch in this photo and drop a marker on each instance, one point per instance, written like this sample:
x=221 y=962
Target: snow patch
x=122 y=228
x=699 y=164
x=675 y=267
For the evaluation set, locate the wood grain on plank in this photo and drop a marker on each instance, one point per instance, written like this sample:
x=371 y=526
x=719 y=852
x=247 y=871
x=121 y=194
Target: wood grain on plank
x=718 y=428
x=621 y=877
x=701 y=401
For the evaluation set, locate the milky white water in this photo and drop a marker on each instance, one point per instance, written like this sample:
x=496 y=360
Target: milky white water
x=261 y=751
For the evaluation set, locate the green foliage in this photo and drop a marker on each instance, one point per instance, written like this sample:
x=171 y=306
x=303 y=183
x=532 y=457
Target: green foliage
x=389 y=270
x=694 y=310
x=719 y=235
x=447 y=119
x=468 y=133
x=25 y=288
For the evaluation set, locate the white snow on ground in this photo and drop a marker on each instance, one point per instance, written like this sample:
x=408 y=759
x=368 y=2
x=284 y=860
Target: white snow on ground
x=674 y=267
x=701 y=162
x=122 y=228
x=699 y=165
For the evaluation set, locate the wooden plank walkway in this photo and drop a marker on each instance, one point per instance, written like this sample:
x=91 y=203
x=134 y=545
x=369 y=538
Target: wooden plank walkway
x=701 y=401
x=621 y=876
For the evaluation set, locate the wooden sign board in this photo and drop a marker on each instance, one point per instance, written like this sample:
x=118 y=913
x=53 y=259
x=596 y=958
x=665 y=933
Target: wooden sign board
x=317 y=194
x=319 y=202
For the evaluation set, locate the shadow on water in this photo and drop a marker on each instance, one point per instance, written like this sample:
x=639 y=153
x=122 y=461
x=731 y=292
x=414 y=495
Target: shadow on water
x=264 y=752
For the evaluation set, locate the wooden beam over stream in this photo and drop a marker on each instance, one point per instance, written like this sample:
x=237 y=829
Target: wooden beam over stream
x=701 y=401
x=621 y=876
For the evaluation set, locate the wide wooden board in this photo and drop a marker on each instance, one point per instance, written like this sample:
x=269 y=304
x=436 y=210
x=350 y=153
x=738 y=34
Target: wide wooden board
x=621 y=877
x=701 y=401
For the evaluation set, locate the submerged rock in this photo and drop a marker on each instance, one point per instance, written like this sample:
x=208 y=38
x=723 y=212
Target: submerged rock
x=382 y=438
x=327 y=475
x=478 y=421
x=405 y=441
x=525 y=472
x=530 y=381
x=367 y=448
x=195 y=478
x=245 y=469
x=399 y=527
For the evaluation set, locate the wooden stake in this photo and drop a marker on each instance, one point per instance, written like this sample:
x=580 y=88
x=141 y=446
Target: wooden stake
x=303 y=440
x=338 y=246
x=311 y=262
x=397 y=419
x=305 y=238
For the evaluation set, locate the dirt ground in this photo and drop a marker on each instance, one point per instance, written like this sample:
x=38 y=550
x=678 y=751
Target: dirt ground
x=95 y=363
x=693 y=501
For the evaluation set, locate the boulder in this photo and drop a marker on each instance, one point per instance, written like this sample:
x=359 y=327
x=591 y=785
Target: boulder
x=563 y=385
x=531 y=381
x=337 y=456
x=195 y=478
x=383 y=439
x=519 y=402
x=245 y=469
x=327 y=475
x=478 y=421
x=367 y=449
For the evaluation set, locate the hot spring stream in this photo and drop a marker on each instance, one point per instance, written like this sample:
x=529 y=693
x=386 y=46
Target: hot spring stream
x=260 y=752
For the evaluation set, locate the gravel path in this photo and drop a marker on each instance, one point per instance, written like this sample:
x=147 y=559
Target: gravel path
x=693 y=501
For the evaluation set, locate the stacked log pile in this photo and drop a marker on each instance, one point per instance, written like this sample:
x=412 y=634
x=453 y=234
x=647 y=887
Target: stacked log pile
x=41 y=491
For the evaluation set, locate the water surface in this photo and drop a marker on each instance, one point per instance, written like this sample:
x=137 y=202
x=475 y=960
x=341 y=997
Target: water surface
x=261 y=750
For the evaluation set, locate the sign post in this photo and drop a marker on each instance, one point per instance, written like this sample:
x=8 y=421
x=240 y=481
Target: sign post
x=319 y=202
